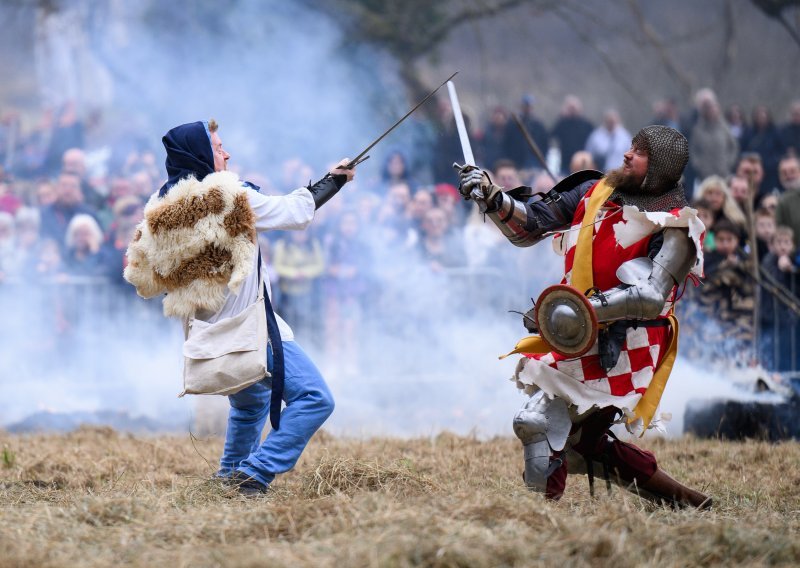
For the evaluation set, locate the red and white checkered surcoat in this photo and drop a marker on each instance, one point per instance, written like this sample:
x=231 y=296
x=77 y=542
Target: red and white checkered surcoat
x=623 y=385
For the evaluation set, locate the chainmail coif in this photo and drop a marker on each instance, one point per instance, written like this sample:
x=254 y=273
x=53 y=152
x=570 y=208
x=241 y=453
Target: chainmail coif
x=667 y=155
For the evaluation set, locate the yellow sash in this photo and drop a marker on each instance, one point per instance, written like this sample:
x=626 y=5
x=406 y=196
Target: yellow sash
x=646 y=407
x=583 y=279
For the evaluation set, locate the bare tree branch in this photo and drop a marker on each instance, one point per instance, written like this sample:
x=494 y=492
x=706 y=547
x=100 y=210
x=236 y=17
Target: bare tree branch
x=776 y=9
x=792 y=32
x=482 y=10
x=728 y=43
x=589 y=40
x=678 y=74
x=411 y=30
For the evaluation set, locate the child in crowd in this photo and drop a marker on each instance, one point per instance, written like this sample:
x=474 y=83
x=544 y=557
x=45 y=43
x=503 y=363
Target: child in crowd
x=765 y=230
x=780 y=337
x=770 y=201
x=782 y=262
x=727 y=295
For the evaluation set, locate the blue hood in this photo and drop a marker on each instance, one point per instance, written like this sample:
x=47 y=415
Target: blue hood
x=188 y=153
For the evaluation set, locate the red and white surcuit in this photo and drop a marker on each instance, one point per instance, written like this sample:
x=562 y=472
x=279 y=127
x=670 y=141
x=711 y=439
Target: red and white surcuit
x=620 y=234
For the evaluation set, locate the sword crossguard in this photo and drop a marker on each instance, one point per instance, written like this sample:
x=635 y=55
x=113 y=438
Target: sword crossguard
x=459 y=167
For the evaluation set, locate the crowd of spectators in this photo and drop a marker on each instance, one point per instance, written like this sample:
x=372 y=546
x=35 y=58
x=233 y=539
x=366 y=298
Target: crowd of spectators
x=67 y=213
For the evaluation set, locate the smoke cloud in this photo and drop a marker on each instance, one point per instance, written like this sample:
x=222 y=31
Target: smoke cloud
x=274 y=77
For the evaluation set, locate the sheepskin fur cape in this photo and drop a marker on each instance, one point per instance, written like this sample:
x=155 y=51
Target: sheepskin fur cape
x=196 y=243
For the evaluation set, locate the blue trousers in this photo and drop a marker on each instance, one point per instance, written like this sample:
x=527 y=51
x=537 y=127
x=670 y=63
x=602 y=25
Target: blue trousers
x=308 y=405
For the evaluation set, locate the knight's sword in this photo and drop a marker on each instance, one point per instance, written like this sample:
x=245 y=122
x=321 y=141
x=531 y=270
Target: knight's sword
x=363 y=155
x=463 y=136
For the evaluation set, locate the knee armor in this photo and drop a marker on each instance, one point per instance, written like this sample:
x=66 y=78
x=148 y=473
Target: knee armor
x=542 y=425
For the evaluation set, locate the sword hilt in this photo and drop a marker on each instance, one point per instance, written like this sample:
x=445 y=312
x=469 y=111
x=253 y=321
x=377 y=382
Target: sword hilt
x=354 y=163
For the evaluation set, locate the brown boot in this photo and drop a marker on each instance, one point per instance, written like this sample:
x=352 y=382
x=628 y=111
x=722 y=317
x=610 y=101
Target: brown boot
x=663 y=487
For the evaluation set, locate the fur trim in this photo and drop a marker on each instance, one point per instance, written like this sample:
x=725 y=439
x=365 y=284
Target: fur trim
x=195 y=243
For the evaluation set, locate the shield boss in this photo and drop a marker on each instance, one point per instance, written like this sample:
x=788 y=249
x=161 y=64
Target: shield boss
x=566 y=320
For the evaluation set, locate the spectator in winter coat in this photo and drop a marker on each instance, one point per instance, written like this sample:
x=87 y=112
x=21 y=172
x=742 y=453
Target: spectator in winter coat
x=790 y=133
x=712 y=147
x=571 y=130
x=788 y=210
x=68 y=204
x=608 y=143
x=83 y=245
x=764 y=139
x=494 y=136
x=516 y=148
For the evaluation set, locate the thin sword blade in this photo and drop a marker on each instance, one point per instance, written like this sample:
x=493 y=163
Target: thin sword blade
x=358 y=159
x=469 y=159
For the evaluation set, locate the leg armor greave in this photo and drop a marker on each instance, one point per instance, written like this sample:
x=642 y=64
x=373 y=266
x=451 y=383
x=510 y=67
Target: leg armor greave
x=542 y=425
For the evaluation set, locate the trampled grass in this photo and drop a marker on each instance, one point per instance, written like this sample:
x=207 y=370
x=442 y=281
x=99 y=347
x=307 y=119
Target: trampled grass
x=99 y=498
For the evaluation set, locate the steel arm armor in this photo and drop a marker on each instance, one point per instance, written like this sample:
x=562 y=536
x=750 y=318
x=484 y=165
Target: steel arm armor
x=645 y=299
x=525 y=224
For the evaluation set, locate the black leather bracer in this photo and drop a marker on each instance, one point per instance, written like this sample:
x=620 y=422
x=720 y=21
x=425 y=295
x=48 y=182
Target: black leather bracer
x=326 y=188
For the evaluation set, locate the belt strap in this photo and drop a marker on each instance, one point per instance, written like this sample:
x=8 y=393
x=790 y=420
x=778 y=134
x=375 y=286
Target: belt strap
x=278 y=369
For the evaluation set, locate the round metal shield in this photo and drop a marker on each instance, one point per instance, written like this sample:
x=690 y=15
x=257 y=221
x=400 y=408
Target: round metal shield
x=566 y=320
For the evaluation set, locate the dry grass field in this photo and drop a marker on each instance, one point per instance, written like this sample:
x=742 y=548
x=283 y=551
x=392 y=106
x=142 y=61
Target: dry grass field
x=99 y=498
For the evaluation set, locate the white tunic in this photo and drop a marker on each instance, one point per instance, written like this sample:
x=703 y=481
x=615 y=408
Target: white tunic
x=273 y=213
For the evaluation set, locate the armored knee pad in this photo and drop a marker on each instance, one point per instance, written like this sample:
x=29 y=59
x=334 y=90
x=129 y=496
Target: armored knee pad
x=542 y=424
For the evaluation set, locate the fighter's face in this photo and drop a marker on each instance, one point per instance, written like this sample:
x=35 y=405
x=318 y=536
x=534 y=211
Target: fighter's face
x=220 y=156
x=634 y=164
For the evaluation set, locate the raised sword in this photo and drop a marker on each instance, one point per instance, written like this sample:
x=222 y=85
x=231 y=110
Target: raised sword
x=363 y=155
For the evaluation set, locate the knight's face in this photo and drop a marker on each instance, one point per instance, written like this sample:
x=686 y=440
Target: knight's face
x=635 y=164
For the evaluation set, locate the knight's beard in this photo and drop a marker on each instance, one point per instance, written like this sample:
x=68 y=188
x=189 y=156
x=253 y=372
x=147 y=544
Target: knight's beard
x=626 y=183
